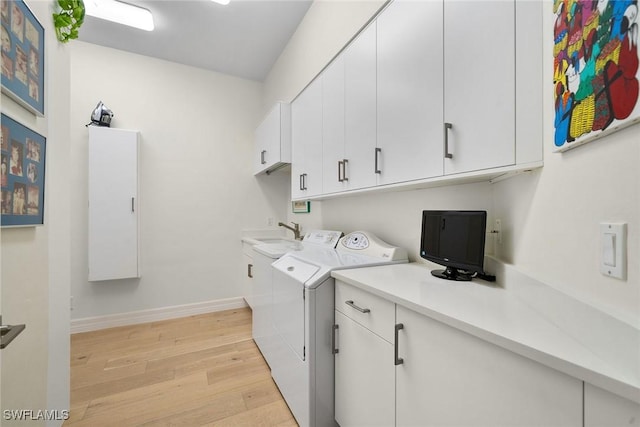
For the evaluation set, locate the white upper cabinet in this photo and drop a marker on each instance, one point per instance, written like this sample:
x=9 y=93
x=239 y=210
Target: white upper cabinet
x=360 y=110
x=410 y=95
x=429 y=92
x=273 y=139
x=349 y=116
x=306 y=153
x=479 y=82
x=333 y=118
x=113 y=204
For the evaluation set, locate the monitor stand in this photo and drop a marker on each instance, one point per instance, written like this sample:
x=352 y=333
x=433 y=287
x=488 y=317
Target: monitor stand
x=452 y=273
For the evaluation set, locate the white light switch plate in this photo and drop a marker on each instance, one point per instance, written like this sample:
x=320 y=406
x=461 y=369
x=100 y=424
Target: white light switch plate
x=613 y=250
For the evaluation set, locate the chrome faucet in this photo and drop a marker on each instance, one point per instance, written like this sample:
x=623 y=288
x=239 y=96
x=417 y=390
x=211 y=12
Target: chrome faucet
x=295 y=229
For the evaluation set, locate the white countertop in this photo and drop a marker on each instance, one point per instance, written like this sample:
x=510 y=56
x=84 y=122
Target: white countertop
x=521 y=315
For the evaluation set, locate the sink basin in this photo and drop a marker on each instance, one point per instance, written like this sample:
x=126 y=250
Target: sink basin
x=277 y=248
x=275 y=240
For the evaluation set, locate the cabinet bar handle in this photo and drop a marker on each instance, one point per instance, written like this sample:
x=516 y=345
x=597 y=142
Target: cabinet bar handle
x=339 y=171
x=262 y=160
x=398 y=360
x=304 y=181
x=447 y=154
x=334 y=332
x=301 y=182
x=378 y=151
x=250 y=270
x=344 y=169
x=133 y=206
x=361 y=310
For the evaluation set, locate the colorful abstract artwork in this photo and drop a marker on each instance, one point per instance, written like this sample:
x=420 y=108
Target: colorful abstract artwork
x=595 y=69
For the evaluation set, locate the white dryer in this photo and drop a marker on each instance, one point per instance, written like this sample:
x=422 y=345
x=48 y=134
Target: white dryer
x=302 y=362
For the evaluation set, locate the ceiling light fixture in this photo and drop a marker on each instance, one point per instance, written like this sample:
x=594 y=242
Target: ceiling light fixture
x=121 y=13
x=222 y=2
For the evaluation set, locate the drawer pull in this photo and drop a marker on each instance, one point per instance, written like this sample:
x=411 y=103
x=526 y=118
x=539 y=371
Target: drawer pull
x=361 y=310
x=398 y=360
x=334 y=332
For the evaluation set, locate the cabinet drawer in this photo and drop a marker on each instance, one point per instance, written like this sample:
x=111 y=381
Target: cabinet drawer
x=372 y=312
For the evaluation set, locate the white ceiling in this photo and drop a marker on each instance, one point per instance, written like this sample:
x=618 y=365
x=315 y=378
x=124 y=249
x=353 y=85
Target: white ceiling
x=243 y=38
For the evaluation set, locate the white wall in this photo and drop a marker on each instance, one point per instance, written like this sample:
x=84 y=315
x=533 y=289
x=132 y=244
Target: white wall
x=550 y=217
x=197 y=187
x=35 y=260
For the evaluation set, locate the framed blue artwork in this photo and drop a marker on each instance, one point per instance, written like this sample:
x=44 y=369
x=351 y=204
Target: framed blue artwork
x=22 y=56
x=23 y=154
x=596 y=75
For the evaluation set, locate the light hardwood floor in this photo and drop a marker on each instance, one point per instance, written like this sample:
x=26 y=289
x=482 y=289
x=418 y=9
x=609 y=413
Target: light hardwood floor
x=195 y=371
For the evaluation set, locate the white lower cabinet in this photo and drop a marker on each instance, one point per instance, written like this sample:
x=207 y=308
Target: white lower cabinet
x=604 y=409
x=439 y=375
x=449 y=377
x=364 y=384
x=247 y=275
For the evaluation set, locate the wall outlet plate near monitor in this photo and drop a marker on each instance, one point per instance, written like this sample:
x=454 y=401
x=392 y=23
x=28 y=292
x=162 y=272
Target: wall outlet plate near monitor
x=455 y=240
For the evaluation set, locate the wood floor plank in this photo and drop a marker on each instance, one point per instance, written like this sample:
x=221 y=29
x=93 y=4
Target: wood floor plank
x=198 y=370
x=272 y=414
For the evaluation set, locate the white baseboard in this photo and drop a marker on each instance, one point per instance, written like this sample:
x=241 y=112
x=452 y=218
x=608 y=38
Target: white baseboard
x=144 y=316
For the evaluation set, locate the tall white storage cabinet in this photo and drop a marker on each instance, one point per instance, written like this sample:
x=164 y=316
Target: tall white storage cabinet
x=113 y=203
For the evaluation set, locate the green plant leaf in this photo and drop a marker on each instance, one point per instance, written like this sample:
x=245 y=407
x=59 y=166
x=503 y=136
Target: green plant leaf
x=68 y=21
x=66 y=4
x=78 y=13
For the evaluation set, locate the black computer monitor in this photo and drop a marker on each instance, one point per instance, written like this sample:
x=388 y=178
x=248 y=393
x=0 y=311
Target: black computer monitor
x=454 y=239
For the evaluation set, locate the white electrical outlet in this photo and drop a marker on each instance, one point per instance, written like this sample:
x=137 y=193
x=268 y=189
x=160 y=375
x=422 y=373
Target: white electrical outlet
x=497 y=228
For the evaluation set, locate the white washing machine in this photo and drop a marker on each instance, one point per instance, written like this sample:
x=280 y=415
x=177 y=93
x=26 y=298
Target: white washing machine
x=303 y=314
x=265 y=254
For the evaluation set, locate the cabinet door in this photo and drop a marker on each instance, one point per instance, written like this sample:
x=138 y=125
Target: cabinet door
x=267 y=141
x=360 y=110
x=333 y=127
x=479 y=84
x=113 y=204
x=306 y=131
x=452 y=378
x=364 y=372
x=410 y=95
x=602 y=408
x=262 y=317
x=247 y=279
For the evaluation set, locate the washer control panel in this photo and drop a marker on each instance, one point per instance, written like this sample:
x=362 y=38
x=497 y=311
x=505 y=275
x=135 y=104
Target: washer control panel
x=355 y=240
x=369 y=244
x=326 y=238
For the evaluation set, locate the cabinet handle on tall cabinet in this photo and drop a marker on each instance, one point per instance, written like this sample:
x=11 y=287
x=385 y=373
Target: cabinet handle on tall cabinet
x=301 y=182
x=447 y=154
x=304 y=181
x=334 y=332
x=344 y=169
x=397 y=361
x=262 y=160
x=133 y=206
x=378 y=151
x=340 y=171
x=250 y=270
